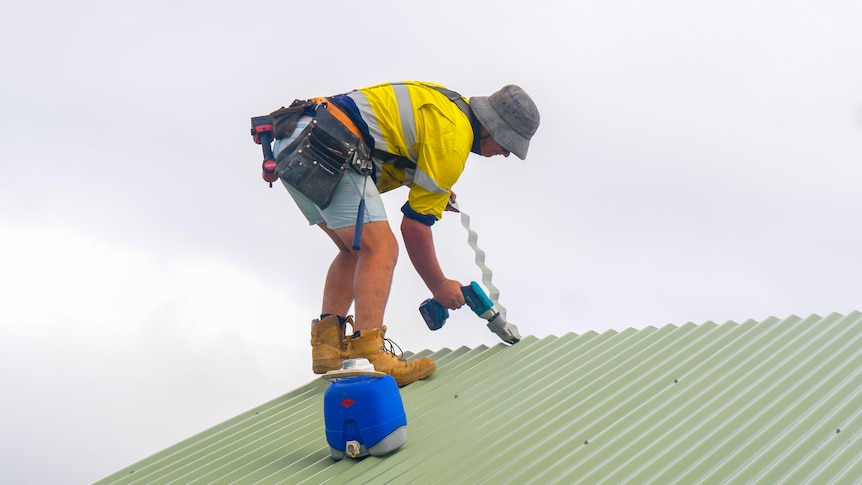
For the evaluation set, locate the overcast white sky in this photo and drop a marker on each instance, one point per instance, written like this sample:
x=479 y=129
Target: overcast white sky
x=696 y=161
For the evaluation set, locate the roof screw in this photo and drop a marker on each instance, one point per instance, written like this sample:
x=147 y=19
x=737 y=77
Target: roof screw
x=837 y=430
x=586 y=442
x=676 y=381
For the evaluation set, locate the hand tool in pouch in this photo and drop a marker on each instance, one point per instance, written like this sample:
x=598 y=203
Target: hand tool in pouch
x=261 y=132
x=365 y=169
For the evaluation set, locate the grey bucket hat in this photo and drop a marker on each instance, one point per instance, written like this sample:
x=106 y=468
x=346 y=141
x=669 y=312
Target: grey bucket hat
x=510 y=116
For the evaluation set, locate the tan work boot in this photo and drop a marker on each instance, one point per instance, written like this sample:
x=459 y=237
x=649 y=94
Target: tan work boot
x=370 y=344
x=328 y=344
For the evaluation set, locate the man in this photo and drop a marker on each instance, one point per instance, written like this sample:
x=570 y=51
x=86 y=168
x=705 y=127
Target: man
x=421 y=135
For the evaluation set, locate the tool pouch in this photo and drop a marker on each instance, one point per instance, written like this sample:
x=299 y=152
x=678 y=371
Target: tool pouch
x=284 y=119
x=316 y=160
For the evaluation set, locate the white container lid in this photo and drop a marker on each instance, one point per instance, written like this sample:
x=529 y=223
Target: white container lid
x=353 y=368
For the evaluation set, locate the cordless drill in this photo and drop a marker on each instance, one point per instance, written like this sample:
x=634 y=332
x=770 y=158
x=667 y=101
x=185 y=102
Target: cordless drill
x=435 y=314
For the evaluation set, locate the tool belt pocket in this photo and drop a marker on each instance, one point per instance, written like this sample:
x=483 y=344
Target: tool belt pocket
x=284 y=119
x=315 y=161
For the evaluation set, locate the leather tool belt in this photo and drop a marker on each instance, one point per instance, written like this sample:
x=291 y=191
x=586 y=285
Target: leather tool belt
x=315 y=161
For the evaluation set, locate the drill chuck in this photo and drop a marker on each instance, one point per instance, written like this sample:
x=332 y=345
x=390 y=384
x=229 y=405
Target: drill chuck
x=490 y=314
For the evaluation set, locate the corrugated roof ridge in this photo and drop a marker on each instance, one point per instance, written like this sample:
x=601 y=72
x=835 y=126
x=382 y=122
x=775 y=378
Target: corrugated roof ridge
x=826 y=371
x=316 y=424
x=556 y=357
x=545 y=387
x=456 y=358
x=486 y=379
x=738 y=382
x=334 y=469
x=831 y=448
x=267 y=425
x=591 y=402
x=190 y=449
x=757 y=384
x=606 y=410
x=601 y=415
x=628 y=462
x=448 y=361
x=498 y=362
x=632 y=406
x=451 y=363
x=568 y=356
x=450 y=394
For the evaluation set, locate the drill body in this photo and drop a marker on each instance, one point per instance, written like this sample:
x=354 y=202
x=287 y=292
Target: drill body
x=435 y=314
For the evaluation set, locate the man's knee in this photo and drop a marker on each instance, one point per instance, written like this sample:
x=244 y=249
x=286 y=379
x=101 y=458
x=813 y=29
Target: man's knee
x=378 y=237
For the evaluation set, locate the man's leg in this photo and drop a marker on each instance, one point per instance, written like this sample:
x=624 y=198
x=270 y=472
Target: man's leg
x=370 y=285
x=328 y=343
x=338 y=288
x=363 y=276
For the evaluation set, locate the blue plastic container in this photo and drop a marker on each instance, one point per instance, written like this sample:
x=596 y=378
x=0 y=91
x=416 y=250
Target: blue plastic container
x=364 y=416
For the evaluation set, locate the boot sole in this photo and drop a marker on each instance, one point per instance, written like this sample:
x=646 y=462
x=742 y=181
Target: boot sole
x=326 y=365
x=407 y=380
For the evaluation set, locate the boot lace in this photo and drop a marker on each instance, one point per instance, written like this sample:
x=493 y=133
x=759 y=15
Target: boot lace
x=389 y=347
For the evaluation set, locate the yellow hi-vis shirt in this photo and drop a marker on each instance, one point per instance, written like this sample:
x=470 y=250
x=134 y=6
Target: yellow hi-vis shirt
x=414 y=121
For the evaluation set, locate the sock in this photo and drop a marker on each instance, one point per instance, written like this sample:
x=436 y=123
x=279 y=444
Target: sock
x=342 y=321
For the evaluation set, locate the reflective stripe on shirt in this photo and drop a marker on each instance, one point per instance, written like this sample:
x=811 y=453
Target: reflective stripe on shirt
x=421 y=124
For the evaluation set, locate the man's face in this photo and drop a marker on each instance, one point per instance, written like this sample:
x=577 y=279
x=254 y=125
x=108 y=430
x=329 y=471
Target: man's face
x=489 y=147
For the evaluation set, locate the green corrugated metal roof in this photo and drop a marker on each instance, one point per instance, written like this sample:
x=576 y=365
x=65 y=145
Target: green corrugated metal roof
x=775 y=401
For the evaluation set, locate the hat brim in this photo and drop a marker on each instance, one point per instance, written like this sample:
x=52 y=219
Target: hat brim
x=499 y=130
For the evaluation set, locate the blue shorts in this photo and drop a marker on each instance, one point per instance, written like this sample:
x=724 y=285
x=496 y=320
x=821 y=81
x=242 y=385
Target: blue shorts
x=341 y=212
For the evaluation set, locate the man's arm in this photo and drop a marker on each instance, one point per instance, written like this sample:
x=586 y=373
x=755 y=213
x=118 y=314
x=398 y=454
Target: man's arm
x=419 y=242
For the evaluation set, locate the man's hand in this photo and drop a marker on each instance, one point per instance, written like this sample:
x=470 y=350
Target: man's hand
x=449 y=294
x=452 y=205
